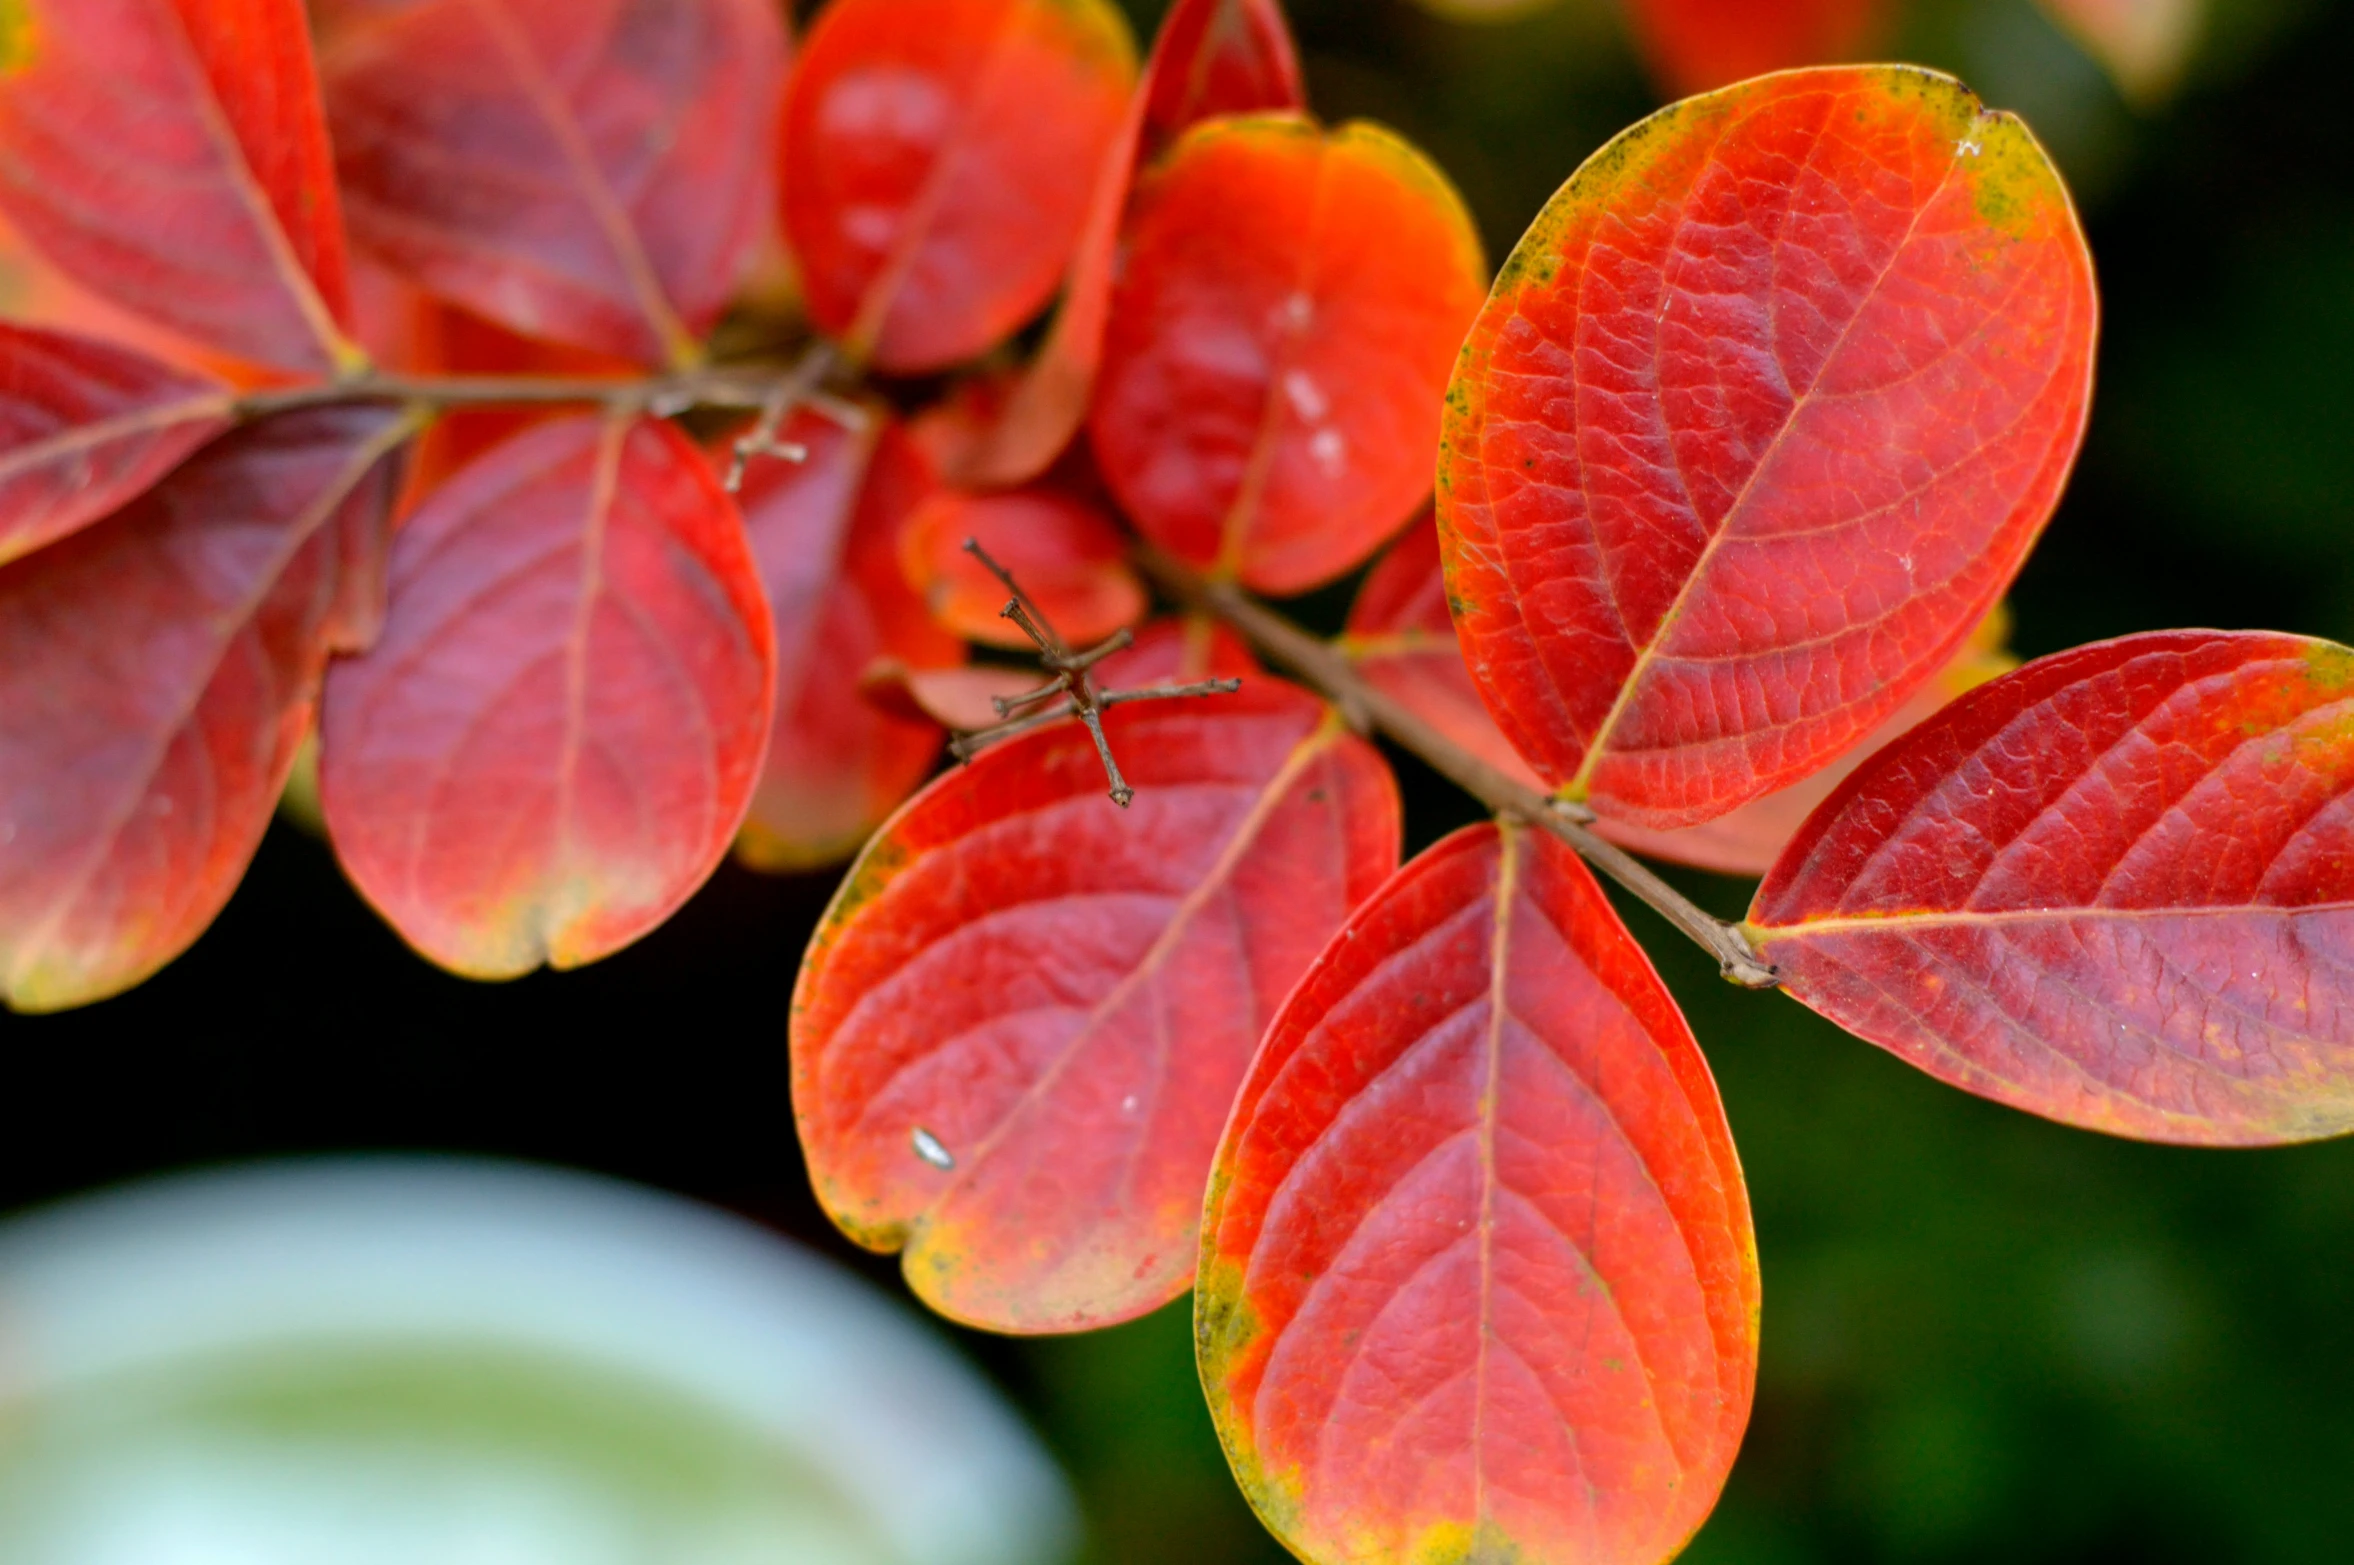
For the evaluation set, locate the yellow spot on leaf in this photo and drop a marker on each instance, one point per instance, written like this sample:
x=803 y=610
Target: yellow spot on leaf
x=16 y=36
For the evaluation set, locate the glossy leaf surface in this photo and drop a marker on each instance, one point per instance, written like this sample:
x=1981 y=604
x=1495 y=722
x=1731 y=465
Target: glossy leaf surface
x=1212 y=57
x=1060 y=996
x=552 y=744
x=960 y=698
x=1289 y=304
x=825 y=533
x=85 y=427
x=1762 y=417
x=1403 y=642
x=1066 y=552
x=591 y=171
x=1478 y=1281
x=33 y=292
x=939 y=156
x=1748 y=840
x=1694 y=45
x=2115 y=888
x=169 y=155
x=157 y=671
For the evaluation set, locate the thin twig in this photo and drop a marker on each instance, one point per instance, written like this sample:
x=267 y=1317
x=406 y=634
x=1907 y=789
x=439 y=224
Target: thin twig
x=748 y=387
x=816 y=363
x=1200 y=687
x=1022 y=611
x=1336 y=677
x=1073 y=675
x=1122 y=794
x=1007 y=706
x=965 y=746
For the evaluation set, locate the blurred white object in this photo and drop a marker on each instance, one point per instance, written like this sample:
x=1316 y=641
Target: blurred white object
x=443 y=1362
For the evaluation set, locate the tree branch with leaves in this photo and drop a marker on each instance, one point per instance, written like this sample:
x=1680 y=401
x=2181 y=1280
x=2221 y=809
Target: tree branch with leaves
x=471 y=433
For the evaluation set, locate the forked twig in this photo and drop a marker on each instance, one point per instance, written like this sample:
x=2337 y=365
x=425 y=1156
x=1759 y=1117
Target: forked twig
x=798 y=388
x=1073 y=681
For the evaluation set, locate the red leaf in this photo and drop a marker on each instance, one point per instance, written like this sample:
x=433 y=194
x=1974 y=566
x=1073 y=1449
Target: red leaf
x=1403 y=643
x=1402 y=640
x=86 y=427
x=1218 y=57
x=1288 y=307
x=1213 y=57
x=1761 y=419
x=959 y=698
x=591 y=171
x=825 y=532
x=1068 y=555
x=2115 y=888
x=1176 y=651
x=938 y=161
x=1478 y=1280
x=169 y=155
x=156 y=673
x=1059 y=996
x=409 y=330
x=1749 y=839
x=1694 y=45
x=557 y=736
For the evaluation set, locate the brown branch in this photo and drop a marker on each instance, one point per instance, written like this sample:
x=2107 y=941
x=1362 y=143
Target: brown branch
x=1334 y=676
x=745 y=387
x=791 y=391
x=1074 y=681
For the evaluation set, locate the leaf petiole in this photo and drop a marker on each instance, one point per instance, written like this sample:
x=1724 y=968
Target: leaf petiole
x=1337 y=680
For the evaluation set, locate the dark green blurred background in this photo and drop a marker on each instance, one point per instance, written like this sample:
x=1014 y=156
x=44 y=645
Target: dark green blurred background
x=1986 y=1338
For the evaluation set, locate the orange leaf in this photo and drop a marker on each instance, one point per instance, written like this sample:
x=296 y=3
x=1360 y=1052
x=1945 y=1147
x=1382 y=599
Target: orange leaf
x=170 y=156
x=938 y=161
x=1762 y=417
x=1289 y=305
x=825 y=533
x=1212 y=57
x=157 y=670
x=554 y=741
x=1067 y=554
x=1478 y=1280
x=1035 y=1134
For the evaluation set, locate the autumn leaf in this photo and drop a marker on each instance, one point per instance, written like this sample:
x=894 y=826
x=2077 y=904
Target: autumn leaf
x=86 y=427
x=171 y=157
x=589 y=171
x=1478 y=1281
x=1034 y=1134
x=1211 y=58
x=939 y=156
x=1064 y=549
x=1289 y=305
x=2115 y=888
x=555 y=739
x=157 y=671
x=1760 y=421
